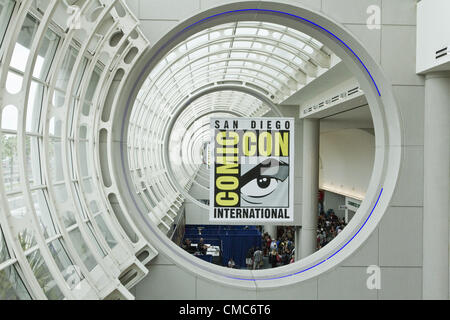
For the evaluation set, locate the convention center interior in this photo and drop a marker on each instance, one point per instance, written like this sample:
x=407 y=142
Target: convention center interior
x=225 y=150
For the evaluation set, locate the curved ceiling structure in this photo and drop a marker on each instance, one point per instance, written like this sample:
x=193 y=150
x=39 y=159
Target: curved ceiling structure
x=192 y=129
x=273 y=60
x=152 y=211
x=66 y=227
x=59 y=236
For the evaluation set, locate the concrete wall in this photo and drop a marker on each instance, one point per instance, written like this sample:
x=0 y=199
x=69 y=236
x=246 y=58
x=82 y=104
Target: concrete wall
x=346 y=161
x=396 y=244
x=333 y=200
x=195 y=214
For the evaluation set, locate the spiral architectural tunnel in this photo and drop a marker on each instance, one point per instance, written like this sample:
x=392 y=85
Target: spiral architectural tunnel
x=105 y=136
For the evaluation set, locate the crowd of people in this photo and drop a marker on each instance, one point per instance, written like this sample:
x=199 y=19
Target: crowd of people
x=200 y=248
x=329 y=226
x=278 y=251
x=281 y=251
x=254 y=259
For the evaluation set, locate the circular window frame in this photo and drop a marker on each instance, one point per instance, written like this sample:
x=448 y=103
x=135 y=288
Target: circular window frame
x=388 y=135
x=273 y=107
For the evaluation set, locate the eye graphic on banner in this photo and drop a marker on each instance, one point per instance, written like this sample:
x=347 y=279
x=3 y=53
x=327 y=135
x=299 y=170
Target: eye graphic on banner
x=252 y=168
x=266 y=184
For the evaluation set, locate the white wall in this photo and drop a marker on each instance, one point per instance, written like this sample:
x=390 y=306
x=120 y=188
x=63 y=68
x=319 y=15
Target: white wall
x=333 y=200
x=346 y=161
x=195 y=214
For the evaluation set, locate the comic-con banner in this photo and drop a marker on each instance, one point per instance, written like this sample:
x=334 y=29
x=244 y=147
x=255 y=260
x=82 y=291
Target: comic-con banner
x=252 y=174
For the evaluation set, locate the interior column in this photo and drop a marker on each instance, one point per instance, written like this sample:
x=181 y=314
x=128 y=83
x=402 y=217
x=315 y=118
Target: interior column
x=436 y=186
x=311 y=139
x=271 y=230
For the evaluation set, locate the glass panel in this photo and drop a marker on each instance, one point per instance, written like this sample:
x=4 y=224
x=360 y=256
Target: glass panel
x=11 y=286
x=87 y=185
x=4 y=254
x=43 y=276
x=82 y=249
x=68 y=219
x=71 y=273
x=6 y=8
x=9 y=118
x=61 y=193
x=27 y=239
x=17 y=206
x=66 y=69
x=45 y=55
x=18 y=209
x=13 y=83
x=55 y=160
x=34 y=107
x=19 y=57
x=22 y=48
x=93 y=83
x=80 y=74
x=59 y=98
x=83 y=156
x=40 y=6
x=10 y=163
x=93 y=239
x=32 y=148
x=43 y=213
x=94 y=207
x=105 y=231
x=55 y=127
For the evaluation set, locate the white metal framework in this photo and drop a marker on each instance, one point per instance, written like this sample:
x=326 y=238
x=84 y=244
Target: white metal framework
x=64 y=229
x=272 y=60
x=63 y=233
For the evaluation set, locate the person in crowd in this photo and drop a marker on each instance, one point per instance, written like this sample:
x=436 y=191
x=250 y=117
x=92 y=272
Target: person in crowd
x=231 y=263
x=201 y=246
x=329 y=226
x=273 y=245
x=319 y=240
x=292 y=257
x=286 y=257
x=273 y=258
x=281 y=246
x=333 y=217
x=249 y=258
x=257 y=259
x=290 y=244
x=188 y=246
x=267 y=245
x=290 y=234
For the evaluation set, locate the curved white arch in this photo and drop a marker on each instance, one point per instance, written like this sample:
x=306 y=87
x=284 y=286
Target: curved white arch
x=379 y=95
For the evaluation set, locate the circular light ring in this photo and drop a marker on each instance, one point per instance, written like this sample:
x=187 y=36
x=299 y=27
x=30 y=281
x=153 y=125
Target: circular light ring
x=199 y=118
x=171 y=124
x=296 y=17
x=343 y=246
x=169 y=67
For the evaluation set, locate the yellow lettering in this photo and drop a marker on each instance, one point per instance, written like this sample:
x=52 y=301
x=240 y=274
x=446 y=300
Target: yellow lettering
x=231 y=140
x=227 y=150
x=282 y=144
x=227 y=183
x=227 y=199
x=228 y=169
x=249 y=143
x=265 y=144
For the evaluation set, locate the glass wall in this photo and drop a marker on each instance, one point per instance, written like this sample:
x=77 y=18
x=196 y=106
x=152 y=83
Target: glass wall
x=6 y=8
x=52 y=209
